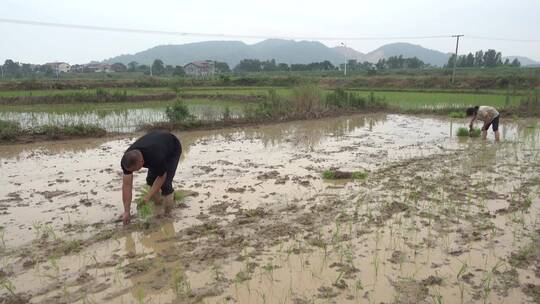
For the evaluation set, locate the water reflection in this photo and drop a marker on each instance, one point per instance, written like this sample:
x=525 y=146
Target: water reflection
x=118 y=120
x=299 y=134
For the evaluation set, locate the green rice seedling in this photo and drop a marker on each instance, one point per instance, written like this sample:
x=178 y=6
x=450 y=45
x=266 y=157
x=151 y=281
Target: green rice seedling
x=37 y=226
x=462 y=132
x=376 y=262
x=328 y=174
x=139 y=295
x=145 y=211
x=476 y=132
x=457 y=114
x=269 y=269
x=358 y=285
x=180 y=284
x=118 y=274
x=218 y=272
x=241 y=276
x=49 y=231
x=2 y=236
x=359 y=175
x=53 y=260
x=6 y=284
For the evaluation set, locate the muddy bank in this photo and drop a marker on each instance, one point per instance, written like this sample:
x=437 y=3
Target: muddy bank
x=118 y=97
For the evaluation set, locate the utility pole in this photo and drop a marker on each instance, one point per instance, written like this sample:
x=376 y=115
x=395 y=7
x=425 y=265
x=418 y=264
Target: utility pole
x=456 y=56
x=345 y=56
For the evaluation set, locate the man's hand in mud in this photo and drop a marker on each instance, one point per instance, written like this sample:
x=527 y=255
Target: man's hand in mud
x=126 y=217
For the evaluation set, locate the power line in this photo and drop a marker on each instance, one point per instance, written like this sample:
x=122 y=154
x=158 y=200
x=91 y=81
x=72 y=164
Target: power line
x=502 y=39
x=195 y=34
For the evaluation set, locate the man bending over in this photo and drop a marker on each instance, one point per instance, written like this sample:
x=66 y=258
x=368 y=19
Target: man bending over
x=159 y=151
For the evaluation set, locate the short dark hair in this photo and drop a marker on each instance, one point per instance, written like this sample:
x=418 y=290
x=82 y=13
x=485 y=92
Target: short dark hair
x=130 y=159
x=472 y=110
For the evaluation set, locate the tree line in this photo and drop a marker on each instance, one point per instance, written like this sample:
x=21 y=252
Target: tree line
x=489 y=59
x=256 y=65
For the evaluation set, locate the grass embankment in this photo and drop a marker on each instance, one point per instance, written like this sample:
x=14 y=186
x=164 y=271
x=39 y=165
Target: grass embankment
x=11 y=131
x=302 y=103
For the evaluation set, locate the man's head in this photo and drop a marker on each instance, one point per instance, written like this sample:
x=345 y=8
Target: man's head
x=132 y=160
x=472 y=110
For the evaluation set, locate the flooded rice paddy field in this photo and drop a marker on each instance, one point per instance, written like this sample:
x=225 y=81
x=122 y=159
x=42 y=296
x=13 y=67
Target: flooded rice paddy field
x=117 y=117
x=437 y=220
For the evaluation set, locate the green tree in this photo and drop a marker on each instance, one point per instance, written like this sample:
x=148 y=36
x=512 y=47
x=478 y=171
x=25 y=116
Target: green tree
x=169 y=69
x=469 y=62
x=179 y=71
x=132 y=66
x=157 y=67
x=222 y=67
x=248 y=65
x=118 y=67
x=381 y=64
x=11 y=68
x=479 y=59
x=269 y=65
x=492 y=58
x=515 y=63
x=26 y=70
x=283 y=67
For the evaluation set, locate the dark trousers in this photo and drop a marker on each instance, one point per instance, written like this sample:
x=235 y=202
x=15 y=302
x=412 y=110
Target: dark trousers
x=171 y=164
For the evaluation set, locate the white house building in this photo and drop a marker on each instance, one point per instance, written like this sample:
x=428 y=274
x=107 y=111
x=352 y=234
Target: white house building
x=61 y=67
x=202 y=69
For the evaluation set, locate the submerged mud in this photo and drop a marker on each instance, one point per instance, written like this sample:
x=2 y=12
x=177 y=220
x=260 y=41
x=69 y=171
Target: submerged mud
x=437 y=218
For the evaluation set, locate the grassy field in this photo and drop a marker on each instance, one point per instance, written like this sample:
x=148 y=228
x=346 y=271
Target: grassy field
x=403 y=99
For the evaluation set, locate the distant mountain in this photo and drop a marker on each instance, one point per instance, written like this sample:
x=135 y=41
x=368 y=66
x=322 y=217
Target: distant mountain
x=432 y=57
x=525 y=61
x=225 y=51
x=287 y=51
x=231 y=52
x=350 y=53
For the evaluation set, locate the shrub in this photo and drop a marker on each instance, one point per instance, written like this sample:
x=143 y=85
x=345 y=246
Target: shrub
x=227 y=113
x=178 y=112
x=9 y=130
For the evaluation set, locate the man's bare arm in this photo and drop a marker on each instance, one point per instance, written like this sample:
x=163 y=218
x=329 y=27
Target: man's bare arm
x=158 y=182
x=127 y=188
x=472 y=122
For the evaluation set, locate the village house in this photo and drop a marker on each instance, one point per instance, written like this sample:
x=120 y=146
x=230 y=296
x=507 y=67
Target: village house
x=61 y=67
x=200 y=69
x=97 y=68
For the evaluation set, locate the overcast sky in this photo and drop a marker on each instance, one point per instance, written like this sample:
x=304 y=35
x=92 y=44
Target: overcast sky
x=518 y=19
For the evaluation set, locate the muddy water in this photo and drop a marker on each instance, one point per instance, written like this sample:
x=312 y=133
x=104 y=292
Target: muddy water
x=261 y=226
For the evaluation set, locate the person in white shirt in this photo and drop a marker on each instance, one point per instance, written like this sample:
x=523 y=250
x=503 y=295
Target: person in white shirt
x=489 y=115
